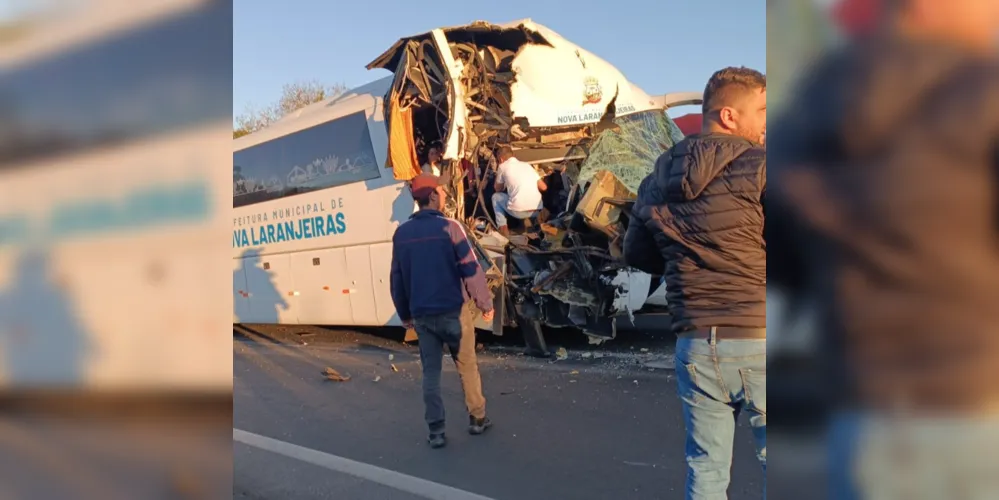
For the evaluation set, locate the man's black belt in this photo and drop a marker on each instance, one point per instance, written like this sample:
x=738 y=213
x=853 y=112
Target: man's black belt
x=726 y=333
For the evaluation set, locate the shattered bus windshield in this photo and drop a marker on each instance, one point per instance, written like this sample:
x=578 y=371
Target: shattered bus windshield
x=631 y=151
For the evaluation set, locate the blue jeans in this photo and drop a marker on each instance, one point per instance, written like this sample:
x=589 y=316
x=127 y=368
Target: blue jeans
x=456 y=330
x=716 y=381
x=914 y=458
x=500 y=203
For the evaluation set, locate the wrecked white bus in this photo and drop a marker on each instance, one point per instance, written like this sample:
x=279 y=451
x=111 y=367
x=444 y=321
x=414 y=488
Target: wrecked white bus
x=318 y=195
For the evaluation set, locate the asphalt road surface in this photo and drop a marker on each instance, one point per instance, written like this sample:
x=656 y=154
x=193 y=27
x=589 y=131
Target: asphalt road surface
x=54 y=457
x=598 y=425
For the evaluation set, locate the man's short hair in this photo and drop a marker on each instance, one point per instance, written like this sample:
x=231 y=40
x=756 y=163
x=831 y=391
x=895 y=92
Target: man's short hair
x=726 y=85
x=504 y=152
x=422 y=201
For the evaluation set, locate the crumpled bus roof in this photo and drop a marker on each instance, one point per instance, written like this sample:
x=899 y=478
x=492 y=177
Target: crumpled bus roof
x=586 y=82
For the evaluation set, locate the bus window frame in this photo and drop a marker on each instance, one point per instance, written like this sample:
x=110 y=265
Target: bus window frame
x=370 y=172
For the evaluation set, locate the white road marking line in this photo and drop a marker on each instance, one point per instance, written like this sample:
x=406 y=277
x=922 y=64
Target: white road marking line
x=392 y=479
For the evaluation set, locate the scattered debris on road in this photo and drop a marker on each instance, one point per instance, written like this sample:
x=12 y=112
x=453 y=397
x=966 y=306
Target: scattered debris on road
x=334 y=375
x=662 y=364
x=377 y=378
x=561 y=354
x=394 y=368
x=640 y=464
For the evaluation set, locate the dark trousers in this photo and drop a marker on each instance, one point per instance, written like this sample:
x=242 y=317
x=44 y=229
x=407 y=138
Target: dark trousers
x=456 y=330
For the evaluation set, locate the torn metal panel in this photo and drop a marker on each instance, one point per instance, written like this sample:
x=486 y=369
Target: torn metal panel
x=631 y=291
x=597 y=207
x=567 y=286
x=412 y=84
x=567 y=293
x=509 y=37
x=457 y=113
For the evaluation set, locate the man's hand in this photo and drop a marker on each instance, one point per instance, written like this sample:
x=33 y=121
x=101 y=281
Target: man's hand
x=488 y=315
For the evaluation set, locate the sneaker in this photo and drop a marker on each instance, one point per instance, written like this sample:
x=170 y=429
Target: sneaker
x=477 y=426
x=437 y=440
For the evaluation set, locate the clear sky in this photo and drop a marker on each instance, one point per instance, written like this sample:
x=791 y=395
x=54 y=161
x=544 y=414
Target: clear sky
x=660 y=45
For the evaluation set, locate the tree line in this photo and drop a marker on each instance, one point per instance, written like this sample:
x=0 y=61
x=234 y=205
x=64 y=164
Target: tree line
x=294 y=96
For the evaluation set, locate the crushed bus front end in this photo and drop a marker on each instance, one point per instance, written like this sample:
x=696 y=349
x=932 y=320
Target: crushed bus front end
x=591 y=134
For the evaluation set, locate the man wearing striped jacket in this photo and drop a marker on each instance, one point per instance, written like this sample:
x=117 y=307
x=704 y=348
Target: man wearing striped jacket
x=437 y=283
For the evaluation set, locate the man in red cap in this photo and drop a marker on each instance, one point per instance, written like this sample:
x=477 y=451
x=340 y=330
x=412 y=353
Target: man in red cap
x=436 y=284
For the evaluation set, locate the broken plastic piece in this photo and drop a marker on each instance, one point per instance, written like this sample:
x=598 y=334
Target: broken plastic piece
x=334 y=375
x=597 y=213
x=410 y=335
x=593 y=340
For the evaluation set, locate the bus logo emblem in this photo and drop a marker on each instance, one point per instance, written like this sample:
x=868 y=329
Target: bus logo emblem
x=593 y=93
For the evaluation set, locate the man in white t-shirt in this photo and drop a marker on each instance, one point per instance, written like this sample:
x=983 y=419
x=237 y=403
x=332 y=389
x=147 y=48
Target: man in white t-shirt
x=523 y=186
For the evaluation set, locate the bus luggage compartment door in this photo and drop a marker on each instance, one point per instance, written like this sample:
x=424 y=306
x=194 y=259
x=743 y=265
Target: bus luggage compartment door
x=321 y=277
x=271 y=290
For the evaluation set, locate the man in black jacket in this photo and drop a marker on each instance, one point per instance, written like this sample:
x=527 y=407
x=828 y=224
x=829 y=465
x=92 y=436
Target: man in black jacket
x=702 y=206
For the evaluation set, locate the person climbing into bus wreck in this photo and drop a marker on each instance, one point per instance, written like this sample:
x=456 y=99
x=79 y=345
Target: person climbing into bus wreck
x=519 y=189
x=436 y=283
